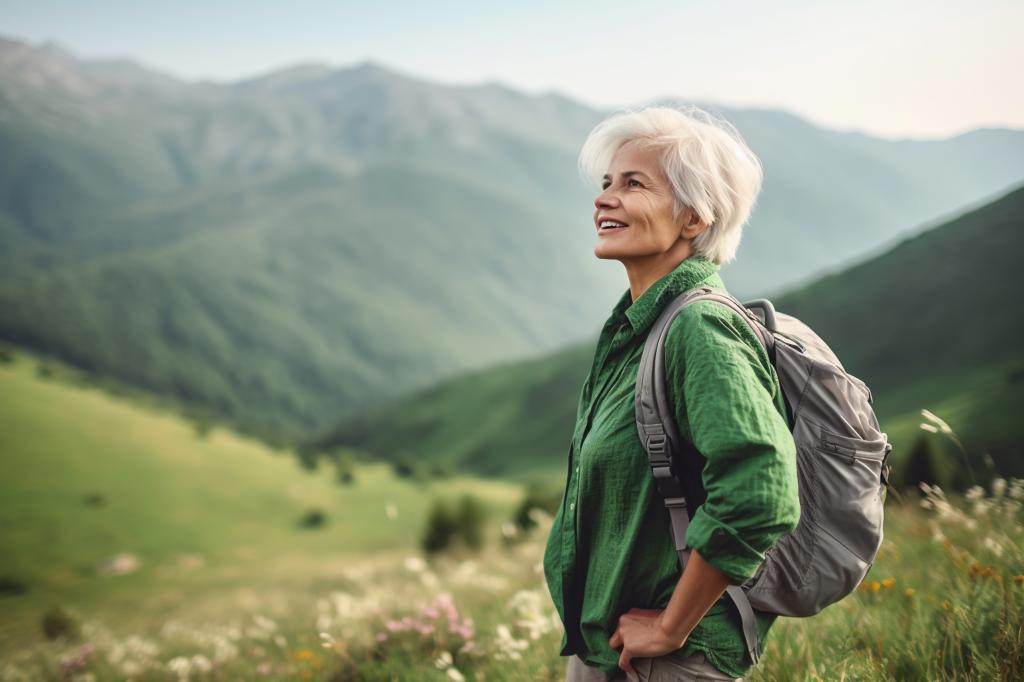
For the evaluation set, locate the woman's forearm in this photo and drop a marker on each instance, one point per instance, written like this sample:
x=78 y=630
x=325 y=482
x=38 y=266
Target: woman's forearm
x=699 y=587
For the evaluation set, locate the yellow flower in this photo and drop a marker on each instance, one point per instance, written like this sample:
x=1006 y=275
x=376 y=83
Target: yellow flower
x=875 y=586
x=304 y=655
x=909 y=592
x=888 y=582
x=1018 y=579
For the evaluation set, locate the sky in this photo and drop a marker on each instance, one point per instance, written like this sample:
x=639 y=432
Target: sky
x=913 y=68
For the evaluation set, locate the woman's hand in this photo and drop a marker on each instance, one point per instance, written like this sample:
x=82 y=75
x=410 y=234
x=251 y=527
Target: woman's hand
x=641 y=634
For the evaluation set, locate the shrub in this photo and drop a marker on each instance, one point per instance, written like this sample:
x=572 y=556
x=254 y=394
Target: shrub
x=463 y=523
x=538 y=496
x=314 y=518
x=924 y=465
x=405 y=467
x=441 y=527
x=344 y=467
x=59 y=623
x=469 y=521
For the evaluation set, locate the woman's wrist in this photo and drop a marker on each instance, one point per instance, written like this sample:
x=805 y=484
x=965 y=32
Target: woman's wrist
x=677 y=635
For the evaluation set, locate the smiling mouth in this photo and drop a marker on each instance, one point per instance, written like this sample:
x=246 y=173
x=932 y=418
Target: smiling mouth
x=611 y=226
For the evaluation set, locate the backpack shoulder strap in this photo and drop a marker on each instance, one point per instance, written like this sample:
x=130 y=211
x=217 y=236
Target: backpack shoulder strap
x=669 y=454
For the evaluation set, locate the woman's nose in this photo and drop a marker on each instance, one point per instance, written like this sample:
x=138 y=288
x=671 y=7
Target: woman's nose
x=606 y=199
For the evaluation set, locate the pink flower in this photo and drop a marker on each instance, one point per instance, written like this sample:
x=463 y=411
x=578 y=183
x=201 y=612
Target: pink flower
x=381 y=637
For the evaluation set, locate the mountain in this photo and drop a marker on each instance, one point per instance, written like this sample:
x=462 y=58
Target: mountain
x=286 y=249
x=932 y=323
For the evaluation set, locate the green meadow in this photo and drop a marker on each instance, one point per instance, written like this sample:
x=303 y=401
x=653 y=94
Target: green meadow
x=225 y=583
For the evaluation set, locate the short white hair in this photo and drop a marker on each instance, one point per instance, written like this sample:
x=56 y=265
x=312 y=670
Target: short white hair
x=710 y=167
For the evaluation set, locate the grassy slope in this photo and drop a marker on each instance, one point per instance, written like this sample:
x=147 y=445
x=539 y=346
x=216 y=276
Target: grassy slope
x=930 y=324
x=935 y=323
x=170 y=492
x=511 y=420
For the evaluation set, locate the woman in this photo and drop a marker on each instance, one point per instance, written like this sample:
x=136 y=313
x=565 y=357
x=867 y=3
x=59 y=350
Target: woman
x=676 y=189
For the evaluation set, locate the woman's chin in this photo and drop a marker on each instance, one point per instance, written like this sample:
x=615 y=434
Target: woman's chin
x=606 y=251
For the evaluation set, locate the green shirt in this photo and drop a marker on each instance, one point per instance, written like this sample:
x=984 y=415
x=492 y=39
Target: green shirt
x=610 y=548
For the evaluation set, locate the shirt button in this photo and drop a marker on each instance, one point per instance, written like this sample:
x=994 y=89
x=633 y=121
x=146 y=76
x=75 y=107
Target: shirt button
x=572 y=505
x=577 y=469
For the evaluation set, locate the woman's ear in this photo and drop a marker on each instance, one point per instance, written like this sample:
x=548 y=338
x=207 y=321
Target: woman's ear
x=690 y=224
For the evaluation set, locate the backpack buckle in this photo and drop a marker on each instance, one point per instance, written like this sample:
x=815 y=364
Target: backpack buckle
x=667 y=484
x=657 y=443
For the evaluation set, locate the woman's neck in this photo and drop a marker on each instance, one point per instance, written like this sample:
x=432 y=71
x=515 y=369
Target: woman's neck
x=643 y=272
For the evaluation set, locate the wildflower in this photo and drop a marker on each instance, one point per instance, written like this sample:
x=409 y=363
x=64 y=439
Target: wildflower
x=888 y=582
x=415 y=564
x=998 y=487
x=455 y=675
x=909 y=592
x=304 y=655
x=993 y=546
x=508 y=647
x=381 y=637
x=201 y=663
x=875 y=586
x=77 y=660
x=444 y=660
x=1018 y=579
x=264 y=668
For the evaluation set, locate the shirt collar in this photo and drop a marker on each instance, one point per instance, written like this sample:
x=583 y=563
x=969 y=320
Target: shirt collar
x=691 y=272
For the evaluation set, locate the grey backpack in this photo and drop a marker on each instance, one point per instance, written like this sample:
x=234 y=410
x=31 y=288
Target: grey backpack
x=842 y=465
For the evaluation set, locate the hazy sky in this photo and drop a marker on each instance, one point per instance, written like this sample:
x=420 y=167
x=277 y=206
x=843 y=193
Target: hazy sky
x=918 y=68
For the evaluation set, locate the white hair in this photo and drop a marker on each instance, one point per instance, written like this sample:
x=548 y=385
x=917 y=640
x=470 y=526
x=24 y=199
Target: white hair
x=711 y=169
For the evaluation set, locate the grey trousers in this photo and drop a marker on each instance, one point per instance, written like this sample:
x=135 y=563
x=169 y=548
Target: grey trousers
x=661 y=669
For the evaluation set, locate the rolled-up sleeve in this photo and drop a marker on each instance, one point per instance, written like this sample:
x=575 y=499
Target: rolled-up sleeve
x=732 y=411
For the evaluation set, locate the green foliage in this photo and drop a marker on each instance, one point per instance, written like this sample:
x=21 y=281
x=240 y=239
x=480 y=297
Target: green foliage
x=923 y=464
x=58 y=623
x=345 y=468
x=538 y=496
x=313 y=518
x=406 y=466
x=11 y=586
x=448 y=524
x=470 y=516
x=441 y=527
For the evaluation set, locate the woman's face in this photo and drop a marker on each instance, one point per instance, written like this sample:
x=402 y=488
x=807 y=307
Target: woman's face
x=637 y=206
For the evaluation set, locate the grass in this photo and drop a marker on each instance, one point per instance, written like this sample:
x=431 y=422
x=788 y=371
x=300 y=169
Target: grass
x=174 y=498
x=228 y=586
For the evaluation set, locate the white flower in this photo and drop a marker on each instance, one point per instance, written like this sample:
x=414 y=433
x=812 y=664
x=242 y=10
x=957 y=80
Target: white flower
x=994 y=547
x=415 y=564
x=455 y=675
x=444 y=660
x=508 y=647
x=998 y=487
x=201 y=663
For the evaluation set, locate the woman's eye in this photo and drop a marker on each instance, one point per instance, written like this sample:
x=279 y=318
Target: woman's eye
x=633 y=182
